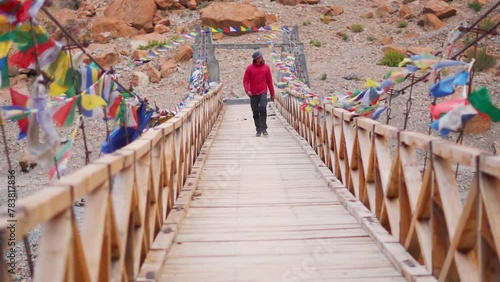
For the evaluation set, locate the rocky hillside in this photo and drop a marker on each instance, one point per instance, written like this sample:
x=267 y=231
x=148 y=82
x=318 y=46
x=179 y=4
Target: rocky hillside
x=344 y=41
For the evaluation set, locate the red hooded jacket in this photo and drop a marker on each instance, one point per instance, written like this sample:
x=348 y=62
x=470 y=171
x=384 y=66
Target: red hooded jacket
x=257 y=79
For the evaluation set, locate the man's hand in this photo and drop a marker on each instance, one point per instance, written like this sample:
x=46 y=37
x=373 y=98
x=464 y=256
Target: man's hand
x=272 y=98
x=249 y=93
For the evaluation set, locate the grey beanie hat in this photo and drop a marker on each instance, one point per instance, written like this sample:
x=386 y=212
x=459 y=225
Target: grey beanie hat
x=256 y=55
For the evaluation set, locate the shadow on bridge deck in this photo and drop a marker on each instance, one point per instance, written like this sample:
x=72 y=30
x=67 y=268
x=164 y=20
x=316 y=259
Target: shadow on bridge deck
x=262 y=212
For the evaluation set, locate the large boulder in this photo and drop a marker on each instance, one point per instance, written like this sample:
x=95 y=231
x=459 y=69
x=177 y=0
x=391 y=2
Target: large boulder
x=384 y=7
x=334 y=10
x=190 y=4
x=140 y=54
x=167 y=67
x=139 y=79
x=430 y=22
x=271 y=18
x=440 y=9
x=153 y=73
x=105 y=29
x=406 y=12
x=337 y=10
x=184 y=53
x=224 y=15
x=161 y=28
x=164 y=4
x=387 y=9
x=139 y=13
x=64 y=15
x=143 y=39
x=78 y=28
x=107 y=55
x=386 y=40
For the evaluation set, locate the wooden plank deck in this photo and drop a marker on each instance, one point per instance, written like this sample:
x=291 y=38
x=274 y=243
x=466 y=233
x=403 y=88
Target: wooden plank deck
x=262 y=212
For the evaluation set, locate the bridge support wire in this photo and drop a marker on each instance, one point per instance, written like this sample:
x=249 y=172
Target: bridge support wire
x=204 y=53
x=295 y=48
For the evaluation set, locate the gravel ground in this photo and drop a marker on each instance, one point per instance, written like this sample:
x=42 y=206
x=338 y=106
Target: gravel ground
x=335 y=58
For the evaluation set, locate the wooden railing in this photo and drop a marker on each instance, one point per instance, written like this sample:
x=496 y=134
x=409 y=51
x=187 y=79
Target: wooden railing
x=128 y=194
x=415 y=199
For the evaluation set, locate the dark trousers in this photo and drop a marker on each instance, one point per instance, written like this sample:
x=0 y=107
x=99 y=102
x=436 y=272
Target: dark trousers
x=259 y=105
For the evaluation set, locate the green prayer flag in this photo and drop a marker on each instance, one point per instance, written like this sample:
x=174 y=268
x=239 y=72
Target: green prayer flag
x=23 y=36
x=481 y=101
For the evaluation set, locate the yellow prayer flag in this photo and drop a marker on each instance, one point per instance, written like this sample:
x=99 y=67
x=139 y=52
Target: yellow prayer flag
x=38 y=29
x=4 y=48
x=404 y=62
x=56 y=89
x=213 y=30
x=59 y=70
x=370 y=83
x=91 y=102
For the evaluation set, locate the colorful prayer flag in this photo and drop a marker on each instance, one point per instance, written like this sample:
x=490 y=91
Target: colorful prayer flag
x=21 y=100
x=23 y=36
x=371 y=83
x=62 y=157
x=91 y=102
x=47 y=53
x=442 y=108
x=5 y=44
x=32 y=40
x=14 y=113
x=454 y=119
x=481 y=101
x=447 y=86
x=4 y=69
x=447 y=63
x=18 y=11
x=59 y=70
x=65 y=115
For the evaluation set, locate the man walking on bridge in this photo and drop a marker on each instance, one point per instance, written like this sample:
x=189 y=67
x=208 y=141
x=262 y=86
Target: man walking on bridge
x=256 y=81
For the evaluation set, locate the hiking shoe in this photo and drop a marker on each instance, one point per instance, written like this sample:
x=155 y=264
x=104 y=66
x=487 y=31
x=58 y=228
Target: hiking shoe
x=257 y=134
x=265 y=133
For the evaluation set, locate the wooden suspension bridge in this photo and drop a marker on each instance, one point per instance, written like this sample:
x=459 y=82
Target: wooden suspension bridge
x=326 y=197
